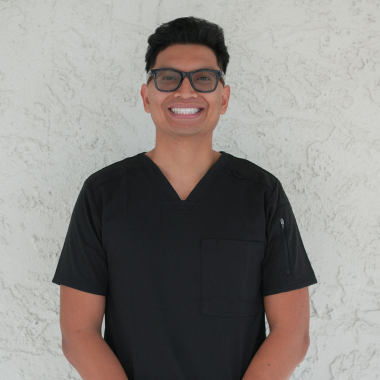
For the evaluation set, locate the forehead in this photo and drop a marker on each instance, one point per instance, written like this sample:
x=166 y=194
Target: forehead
x=187 y=58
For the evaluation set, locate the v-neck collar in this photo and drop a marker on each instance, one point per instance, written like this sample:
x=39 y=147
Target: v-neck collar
x=200 y=188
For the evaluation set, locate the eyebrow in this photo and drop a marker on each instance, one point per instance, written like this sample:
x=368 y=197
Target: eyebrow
x=168 y=67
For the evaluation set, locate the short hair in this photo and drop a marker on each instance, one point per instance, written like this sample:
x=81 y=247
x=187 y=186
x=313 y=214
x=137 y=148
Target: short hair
x=184 y=31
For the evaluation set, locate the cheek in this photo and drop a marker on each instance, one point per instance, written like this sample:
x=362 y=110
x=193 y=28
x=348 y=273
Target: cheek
x=156 y=107
x=214 y=108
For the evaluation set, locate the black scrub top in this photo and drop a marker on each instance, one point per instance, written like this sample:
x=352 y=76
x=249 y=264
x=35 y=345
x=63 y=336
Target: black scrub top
x=184 y=280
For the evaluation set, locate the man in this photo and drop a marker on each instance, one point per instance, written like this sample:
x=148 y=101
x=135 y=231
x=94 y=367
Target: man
x=183 y=248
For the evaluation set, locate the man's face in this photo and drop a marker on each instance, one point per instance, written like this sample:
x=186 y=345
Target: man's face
x=158 y=103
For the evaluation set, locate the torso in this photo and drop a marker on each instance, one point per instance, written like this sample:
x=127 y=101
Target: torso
x=183 y=190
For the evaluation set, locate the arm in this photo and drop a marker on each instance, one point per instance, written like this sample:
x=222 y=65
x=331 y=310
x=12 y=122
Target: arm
x=288 y=315
x=81 y=316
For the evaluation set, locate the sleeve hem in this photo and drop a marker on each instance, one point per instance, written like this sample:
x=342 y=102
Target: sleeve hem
x=60 y=279
x=290 y=286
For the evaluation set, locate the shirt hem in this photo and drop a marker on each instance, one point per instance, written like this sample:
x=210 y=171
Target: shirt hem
x=290 y=286
x=61 y=279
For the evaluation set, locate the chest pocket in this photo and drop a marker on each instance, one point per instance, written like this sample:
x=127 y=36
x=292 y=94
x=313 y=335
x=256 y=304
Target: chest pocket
x=230 y=275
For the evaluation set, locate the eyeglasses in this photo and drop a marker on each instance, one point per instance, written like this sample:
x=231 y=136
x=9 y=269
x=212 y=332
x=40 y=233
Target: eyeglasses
x=203 y=80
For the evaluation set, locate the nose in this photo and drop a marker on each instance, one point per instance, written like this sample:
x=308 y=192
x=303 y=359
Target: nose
x=185 y=88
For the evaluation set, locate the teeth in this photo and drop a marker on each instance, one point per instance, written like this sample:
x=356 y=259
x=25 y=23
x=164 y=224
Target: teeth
x=185 y=111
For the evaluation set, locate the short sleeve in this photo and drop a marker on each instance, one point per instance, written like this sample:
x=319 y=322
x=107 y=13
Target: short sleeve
x=285 y=265
x=83 y=263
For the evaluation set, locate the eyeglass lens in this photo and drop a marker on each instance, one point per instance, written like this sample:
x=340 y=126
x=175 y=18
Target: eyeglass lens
x=203 y=80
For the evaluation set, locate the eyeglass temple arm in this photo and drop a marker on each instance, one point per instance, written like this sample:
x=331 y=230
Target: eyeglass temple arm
x=223 y=77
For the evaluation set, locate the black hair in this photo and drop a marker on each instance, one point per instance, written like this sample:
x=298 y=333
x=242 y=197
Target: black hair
x=187 y=30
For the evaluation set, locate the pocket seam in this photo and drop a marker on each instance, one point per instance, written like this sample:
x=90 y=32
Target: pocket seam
x=220 y=305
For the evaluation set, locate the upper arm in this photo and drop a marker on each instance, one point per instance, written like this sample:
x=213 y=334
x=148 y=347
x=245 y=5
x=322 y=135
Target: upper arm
x=289 y=311
x=80 y=311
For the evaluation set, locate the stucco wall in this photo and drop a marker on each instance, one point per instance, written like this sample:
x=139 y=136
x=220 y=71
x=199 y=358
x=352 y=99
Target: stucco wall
x=305 y=105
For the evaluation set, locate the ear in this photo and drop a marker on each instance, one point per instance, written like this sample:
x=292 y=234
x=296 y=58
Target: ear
x=225 y=98
x=145 y=97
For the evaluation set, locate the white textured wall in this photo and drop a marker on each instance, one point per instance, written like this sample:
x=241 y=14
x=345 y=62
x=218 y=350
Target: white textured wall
x=305 y=105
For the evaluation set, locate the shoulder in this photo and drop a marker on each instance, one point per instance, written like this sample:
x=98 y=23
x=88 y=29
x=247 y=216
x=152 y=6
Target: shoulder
x=253 y=172
x=113 y=172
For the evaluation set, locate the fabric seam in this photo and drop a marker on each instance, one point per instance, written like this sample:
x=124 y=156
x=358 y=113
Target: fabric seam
x=289 y=283
x=63 y=276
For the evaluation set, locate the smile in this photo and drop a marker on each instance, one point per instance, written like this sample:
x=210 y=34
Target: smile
x=185 y=113
x=185 y=110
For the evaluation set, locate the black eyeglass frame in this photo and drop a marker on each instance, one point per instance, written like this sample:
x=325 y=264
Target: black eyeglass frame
x=219 y=75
